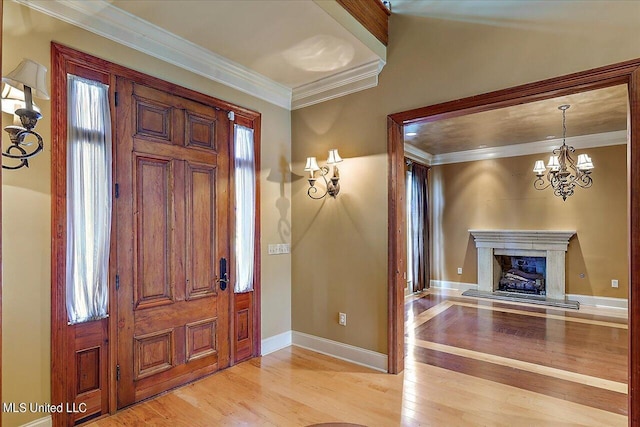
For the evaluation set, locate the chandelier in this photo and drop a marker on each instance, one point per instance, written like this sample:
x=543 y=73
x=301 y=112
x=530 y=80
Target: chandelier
x=562 y=173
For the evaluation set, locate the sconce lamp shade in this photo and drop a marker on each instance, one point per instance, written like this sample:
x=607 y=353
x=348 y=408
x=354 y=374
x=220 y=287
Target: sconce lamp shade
x=334 y=157
x=584 y=162
x=312 y=165
x=29 y=73
x=539 y=168
x=13 y=99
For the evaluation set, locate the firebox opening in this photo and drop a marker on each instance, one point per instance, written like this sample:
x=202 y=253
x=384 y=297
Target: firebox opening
x=524 y=274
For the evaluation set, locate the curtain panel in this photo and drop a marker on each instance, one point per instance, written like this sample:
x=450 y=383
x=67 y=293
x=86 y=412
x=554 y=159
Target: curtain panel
x=245 y=194
x=418 y=227
x=88 y=199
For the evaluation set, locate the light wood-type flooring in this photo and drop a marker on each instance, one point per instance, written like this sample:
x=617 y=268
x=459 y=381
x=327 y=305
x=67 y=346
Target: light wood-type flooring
x=470 y=362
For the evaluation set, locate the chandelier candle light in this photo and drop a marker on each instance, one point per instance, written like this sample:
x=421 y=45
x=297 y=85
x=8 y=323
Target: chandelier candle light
x=562 y=173
x=333 y=185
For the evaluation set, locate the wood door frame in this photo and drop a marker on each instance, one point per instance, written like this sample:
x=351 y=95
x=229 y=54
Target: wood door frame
x=62 y=58
x=628 y=73
x=255 y=295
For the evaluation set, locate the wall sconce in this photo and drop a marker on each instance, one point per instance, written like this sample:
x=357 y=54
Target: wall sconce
x=13 y=100
x=333 y=184
x=30 y=79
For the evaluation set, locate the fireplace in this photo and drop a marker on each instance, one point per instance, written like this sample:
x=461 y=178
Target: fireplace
x=550 y=245
x=522 y=274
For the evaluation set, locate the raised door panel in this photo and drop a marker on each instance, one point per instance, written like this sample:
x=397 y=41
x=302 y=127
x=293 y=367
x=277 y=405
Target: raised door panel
x=88 y=368
x=201 y=131
x=154 y=206
x=243 y=341
x=153 y=353
x=88 y=371
x=153 y=120
x=200 y=230
x=201 y=339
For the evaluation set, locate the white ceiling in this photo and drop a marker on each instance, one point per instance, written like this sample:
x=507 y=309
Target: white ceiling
x=290 y=42
x=290 y=53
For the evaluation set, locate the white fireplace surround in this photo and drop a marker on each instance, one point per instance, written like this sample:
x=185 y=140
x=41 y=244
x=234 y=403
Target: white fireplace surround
x=550 y=244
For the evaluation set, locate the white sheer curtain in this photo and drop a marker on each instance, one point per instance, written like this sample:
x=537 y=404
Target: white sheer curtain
x=88 y=199
x=245 y=182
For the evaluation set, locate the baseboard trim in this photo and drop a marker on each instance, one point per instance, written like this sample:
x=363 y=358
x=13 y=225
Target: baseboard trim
x=445 y=284
x=595 y=301
x=350 y=353
x=605 y=302
x=40 y=422
x=275 y=343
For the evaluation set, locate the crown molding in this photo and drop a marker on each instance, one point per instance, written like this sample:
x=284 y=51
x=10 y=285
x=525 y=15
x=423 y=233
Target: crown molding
x=101 y=18
x=414 y=153
x=343 y=83
x=578 y=142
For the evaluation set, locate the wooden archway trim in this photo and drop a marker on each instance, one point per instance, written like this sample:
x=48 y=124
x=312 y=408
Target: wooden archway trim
x=621 y=73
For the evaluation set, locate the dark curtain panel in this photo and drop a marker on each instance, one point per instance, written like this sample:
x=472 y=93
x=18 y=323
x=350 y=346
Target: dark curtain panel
x=419 y=231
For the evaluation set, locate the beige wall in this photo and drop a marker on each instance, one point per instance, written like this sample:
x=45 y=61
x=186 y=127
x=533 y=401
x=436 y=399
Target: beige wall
x=340 y=246
x=499 y=194
x=27 y=196
x=339 y=252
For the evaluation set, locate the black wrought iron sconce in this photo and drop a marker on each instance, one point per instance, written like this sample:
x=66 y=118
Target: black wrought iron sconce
x=332 y=184
x=30 y=79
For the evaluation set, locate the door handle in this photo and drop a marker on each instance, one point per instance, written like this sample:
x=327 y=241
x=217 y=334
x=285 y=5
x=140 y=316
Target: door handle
x=224 y=278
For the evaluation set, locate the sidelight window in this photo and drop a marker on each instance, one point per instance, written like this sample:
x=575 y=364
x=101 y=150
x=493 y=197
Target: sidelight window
x=89 y=179
x=245 y=189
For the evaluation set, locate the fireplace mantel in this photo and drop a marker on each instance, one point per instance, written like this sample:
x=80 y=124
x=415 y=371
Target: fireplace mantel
x=523 y=239
x=551 y=244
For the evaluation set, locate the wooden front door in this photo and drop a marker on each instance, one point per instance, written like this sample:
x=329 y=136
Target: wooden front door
x=172 y=206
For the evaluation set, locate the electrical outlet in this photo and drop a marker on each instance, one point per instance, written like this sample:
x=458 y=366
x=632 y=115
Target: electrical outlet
x=342 y=319
x=614 y=283
x=459 y=270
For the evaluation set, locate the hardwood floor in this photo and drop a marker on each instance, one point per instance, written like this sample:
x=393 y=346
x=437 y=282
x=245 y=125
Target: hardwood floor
x=469 y=363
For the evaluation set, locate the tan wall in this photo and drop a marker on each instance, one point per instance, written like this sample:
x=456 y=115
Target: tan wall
x=340 y=246
x=27 y=196
x=499 y=194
